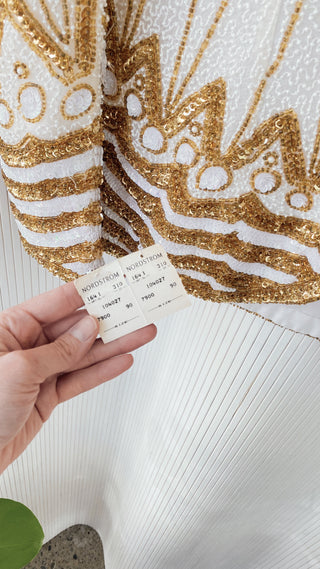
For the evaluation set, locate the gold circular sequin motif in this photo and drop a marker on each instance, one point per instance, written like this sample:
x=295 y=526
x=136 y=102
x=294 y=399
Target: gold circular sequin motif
x=300 y=199
x=32 y=102
x=78 y=101
x=265 y=180
x=187 y=153
x=139 y=81
x=214 y=177
x=21 y=69
x=195 y=128
x=134 y=105
x=153 y=138
x=271 y=159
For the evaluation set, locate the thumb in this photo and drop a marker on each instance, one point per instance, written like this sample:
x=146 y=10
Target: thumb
x=66 y=350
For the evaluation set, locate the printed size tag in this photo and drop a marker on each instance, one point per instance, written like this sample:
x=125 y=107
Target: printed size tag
x=132 y=292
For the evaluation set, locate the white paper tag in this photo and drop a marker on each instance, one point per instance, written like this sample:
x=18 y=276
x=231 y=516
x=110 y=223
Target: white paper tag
x=133 y=291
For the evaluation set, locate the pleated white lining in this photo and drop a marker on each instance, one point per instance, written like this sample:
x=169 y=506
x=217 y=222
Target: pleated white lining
x=204 y=455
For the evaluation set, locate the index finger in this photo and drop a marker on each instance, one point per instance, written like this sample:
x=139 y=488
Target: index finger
x=54 y=304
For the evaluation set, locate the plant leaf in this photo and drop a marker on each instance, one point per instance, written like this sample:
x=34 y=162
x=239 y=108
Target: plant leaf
x=21 y=535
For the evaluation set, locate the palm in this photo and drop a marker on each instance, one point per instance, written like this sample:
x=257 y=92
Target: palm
x=25 y=405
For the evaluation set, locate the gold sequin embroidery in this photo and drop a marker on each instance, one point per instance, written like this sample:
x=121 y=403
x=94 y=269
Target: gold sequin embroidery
x=300 y=199
x=112 y=248
x=216 y=243
x=249 y=286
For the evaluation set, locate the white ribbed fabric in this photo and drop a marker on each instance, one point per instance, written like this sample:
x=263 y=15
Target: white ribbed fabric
x=205 y=454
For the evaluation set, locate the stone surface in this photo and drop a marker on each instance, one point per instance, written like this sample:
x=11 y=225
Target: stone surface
x=78 y=547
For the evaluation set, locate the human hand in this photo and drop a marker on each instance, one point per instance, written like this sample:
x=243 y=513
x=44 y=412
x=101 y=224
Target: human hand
x=48 y=354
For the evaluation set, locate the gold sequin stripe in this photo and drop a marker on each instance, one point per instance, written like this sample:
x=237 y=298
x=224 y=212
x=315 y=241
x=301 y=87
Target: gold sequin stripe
x=221 y=244
x=56 y=187
x=271 y=70
x=85 y=252
x=85 y=34
x=90 y=215
x=113 y=49
x=112 y=200
x=63 y=37
x=315 y=168
x=2 y=17
x=224 y=275
x=113 y=249
x=249 y=289
x=48 y=258
x=216 y=243
x=203 y=47
x=203 y=290
x=56 y=269
x=32 y=151
x=213 y=123
x=118 y=232
x=135 y=23
x=247 y=208
x=211 y=97
x=126 y=22
x=181 y=49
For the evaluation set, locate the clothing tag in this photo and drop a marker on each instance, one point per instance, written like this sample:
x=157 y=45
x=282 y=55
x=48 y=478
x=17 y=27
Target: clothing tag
x=134 y=291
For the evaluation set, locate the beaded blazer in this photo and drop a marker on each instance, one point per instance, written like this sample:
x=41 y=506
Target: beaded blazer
x=194 y=124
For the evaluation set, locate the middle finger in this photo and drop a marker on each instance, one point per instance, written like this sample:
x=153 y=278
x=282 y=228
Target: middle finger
x=128 y=343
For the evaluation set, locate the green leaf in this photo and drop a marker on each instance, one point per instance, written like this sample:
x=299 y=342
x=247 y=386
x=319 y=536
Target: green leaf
x=21 y=535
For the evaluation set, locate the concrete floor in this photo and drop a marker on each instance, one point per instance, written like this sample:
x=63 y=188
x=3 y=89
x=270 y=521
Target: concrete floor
x=78 y=547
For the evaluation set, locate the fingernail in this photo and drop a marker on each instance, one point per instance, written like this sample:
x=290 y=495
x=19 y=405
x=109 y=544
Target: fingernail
x=84 y=329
